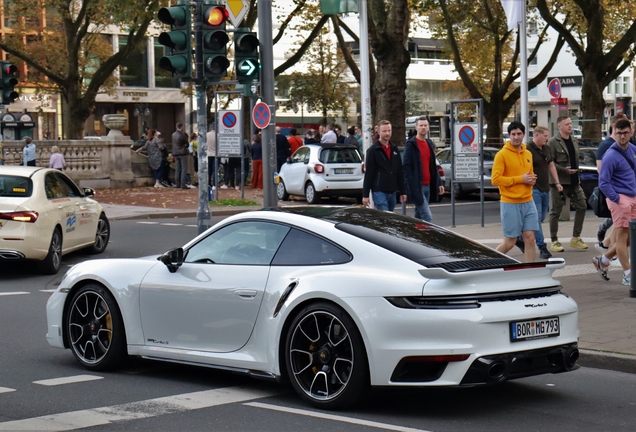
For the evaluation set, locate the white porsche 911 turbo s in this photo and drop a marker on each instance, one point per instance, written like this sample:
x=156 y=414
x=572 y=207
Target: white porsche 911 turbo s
x=332 y=299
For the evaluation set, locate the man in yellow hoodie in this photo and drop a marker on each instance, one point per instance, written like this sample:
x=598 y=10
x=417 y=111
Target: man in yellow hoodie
x=512 y=172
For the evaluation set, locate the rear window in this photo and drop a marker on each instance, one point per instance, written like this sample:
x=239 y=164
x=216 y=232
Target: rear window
x=340 y=155
x=15 y=186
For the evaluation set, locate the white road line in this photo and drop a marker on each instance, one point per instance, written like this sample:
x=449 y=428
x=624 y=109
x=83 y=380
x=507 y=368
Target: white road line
x=6 y=390
x=326 y=416
x=48 y=291
x=14 y=293
x=171 y=224
x=148 y=223
x=68 y=380
x=136 y=410
x=192 y=226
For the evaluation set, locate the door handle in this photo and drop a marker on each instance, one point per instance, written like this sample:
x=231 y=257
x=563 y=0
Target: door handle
x=245 y=293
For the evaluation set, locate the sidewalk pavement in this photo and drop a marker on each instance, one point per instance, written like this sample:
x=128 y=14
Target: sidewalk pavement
x=607 y=315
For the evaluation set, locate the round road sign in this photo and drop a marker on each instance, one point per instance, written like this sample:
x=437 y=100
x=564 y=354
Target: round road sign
x=229 y=119
x=554 y=87
x=261 y=115
x=466 y=136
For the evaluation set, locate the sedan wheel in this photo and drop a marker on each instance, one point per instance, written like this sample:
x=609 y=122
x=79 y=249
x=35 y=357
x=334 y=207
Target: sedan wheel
x=95 y=328
x=102 y=235
x=53 y=260
x=325 y=356
x=310 y=194
x=281 y=193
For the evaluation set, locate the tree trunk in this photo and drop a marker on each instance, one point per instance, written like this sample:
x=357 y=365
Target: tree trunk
x=592 y=105
x=77 y=111
x=390 y=89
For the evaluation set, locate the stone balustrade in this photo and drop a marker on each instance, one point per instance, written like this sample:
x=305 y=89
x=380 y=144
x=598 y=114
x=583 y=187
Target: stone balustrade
x=105 y=163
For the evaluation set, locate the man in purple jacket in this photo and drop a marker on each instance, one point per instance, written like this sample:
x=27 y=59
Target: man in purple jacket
x=617 y=180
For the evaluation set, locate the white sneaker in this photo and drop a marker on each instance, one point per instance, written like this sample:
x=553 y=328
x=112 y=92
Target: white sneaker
x=224 y=187
x=157 y=185
x=236 y=187
x=213 y=187
x=191 y=187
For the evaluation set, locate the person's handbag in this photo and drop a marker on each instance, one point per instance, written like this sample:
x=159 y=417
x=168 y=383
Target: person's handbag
x=598 y=203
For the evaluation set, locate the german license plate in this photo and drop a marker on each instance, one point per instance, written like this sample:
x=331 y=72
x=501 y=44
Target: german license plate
x=343 y=170
x=534 y=329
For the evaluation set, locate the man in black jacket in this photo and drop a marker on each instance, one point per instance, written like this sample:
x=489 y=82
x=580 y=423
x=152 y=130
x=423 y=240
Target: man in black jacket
x=180 y=153
x=383 y=171
x=283 y=149
x=423 y=182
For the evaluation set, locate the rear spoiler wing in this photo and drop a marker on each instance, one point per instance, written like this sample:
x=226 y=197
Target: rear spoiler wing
x=439 y=273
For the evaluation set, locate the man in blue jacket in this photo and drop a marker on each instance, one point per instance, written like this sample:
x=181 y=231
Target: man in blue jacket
x=617 y=180
x=423 y=182
x=383 y=171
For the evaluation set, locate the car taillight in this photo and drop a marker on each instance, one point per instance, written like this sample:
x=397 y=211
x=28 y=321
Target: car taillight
x=28 y=216
x=319 y=169
x=440 y=170
x=363 y=168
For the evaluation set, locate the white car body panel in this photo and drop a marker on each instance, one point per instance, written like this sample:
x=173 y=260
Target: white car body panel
x=203 y=319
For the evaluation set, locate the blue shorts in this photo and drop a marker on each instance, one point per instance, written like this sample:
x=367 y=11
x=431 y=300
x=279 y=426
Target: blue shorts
x=516 y=218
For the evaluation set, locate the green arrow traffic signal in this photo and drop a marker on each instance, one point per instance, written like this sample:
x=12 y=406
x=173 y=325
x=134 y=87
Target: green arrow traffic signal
x=246 y=56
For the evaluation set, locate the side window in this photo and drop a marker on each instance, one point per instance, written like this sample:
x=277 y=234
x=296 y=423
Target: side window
x=300 y=155
x=246 y=243
x=69 y=186
x=53 y=187
x=302 y=248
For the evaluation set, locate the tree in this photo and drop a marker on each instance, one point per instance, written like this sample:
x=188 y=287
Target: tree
x=71 y=55
x=603 y=41
x=484 y=55
x=325 y=84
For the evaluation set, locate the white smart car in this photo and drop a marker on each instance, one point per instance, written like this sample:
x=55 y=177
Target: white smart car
x=44 y=215
x=332 y=299
x=322 y=170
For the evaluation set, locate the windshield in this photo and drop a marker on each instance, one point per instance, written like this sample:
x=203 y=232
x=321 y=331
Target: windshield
x=340 y=155
x=15 y=186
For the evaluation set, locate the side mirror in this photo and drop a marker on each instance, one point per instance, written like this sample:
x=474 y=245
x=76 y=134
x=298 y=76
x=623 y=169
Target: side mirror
x=172 y=259
x=89 y=192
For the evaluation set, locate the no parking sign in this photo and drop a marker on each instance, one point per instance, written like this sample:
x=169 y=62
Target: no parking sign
x=466 y=137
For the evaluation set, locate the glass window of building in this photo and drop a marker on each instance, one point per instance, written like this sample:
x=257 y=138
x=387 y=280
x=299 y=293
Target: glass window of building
x=8 y=10
x=163 y=78
x=133 y=71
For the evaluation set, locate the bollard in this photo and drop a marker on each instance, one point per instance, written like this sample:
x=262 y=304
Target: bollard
x=632 y=255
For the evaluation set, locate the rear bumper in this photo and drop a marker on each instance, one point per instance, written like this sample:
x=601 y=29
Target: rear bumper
x=340 y=188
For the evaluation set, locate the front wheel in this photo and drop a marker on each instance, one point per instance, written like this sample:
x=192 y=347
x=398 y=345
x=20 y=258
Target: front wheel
x=95 y=329
x=311 y=195
x=325 y=357
x=102 y=235
x=281 y=193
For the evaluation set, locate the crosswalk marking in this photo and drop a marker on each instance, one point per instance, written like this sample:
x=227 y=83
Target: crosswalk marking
x=326 y=416
x=14 y=293
x=68 y=380
x=6 y=390
x=136 y=410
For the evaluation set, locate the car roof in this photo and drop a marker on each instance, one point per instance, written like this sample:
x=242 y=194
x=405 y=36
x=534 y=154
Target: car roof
x=331 y=145
x=19 y=170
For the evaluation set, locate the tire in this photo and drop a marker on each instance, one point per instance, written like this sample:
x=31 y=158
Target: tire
x=53 y=261
x=281 y=192
x=102 y=235
x=95 y=329
x=325 y=357
x=311 y=195
x=458 y=191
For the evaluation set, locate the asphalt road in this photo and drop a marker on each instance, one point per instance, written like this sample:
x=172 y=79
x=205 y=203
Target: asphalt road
x=37 y=380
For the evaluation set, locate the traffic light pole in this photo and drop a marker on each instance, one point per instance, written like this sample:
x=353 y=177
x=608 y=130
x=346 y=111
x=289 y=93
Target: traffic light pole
x=204 y=215
x=267 y=93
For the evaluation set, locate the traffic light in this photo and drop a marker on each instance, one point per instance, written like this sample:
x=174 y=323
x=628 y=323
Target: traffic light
x=9 y=81
x=215 y=39
x=178 y=39
x=246 y=56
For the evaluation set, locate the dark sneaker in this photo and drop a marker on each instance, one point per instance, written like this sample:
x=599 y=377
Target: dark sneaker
x=521 y=246
x=600 y=235
x=544 y=253
x=600 y=268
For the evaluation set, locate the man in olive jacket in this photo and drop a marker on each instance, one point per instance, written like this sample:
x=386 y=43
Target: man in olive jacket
x=181 y=154
x=564 y=151
x=383 y=171
x=423 y=183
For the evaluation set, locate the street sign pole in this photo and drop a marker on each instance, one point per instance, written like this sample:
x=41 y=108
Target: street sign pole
x=204 y=215
x=267 y=91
